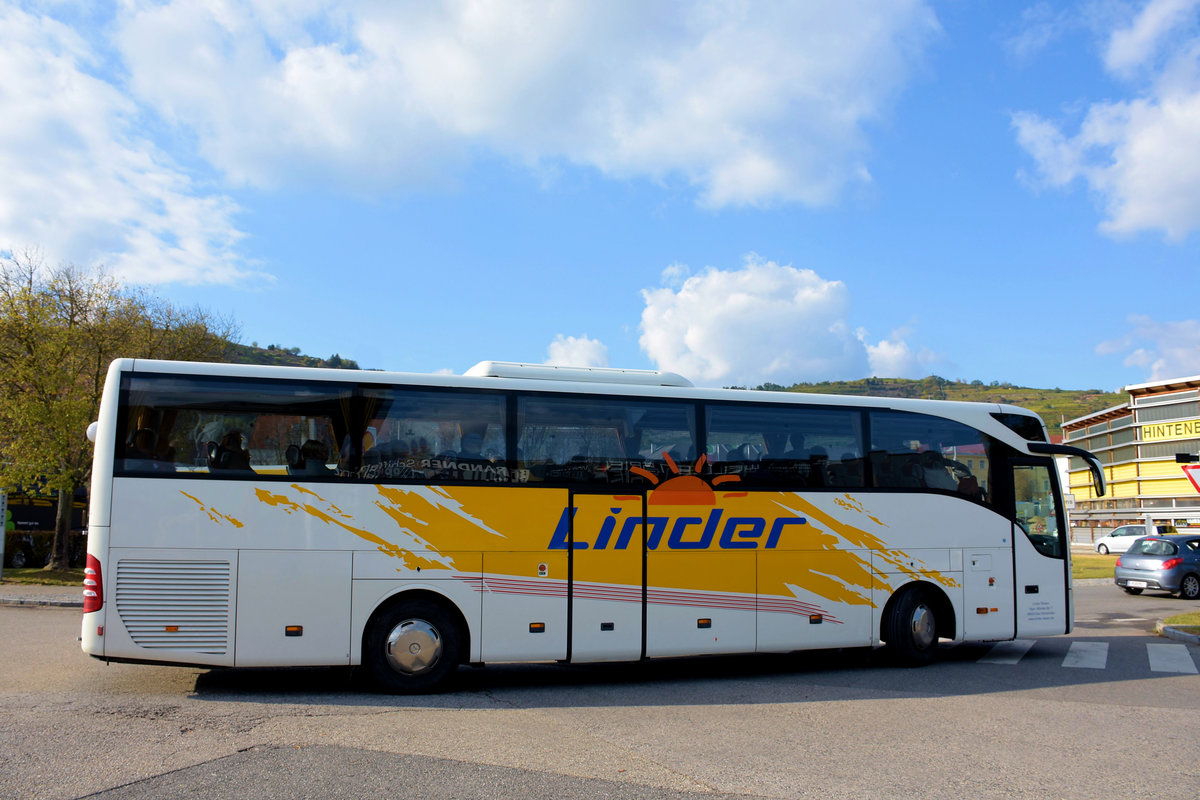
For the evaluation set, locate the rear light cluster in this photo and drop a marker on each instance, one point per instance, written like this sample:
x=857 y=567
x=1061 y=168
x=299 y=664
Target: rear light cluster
x=93 y=586
x=1172 y=563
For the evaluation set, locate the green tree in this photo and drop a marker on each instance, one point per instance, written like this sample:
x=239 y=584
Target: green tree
x=59 y=330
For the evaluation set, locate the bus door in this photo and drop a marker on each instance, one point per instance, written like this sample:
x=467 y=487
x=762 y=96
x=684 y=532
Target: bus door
x=608 y=585
x=1040 y=551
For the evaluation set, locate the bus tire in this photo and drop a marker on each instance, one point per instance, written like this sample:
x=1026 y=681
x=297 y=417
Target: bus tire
x=412 y=647
x=910 y=628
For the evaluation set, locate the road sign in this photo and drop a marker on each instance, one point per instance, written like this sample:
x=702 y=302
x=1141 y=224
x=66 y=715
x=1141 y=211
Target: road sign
x=1193 y=474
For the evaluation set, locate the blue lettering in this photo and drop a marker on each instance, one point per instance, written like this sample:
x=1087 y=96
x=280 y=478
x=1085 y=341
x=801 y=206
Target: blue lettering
x=777 y=528
x=631 y=524
x=676 y=542
x=606 y=532
x=562 y=533
x=658 y=526
x=737 y=533
x=742 y=528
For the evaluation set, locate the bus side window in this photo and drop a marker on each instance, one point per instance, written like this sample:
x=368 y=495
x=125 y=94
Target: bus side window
x=786 y=446
x=924 y=453
x=603 y=442
x=434 y=435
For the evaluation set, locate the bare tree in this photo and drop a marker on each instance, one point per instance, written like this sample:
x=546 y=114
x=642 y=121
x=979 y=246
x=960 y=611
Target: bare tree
x=59 y=330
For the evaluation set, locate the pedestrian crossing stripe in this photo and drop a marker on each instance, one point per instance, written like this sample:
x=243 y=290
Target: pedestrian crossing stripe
x=1087 y=655
x=1171 y=658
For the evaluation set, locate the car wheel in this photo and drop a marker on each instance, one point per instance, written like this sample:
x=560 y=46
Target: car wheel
x=1128 y=590
x=1189 y=587
x=20 y=559
x=1102 y=549
x=412 y=647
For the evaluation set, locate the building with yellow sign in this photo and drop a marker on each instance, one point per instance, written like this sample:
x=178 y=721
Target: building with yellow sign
x=1137 y=442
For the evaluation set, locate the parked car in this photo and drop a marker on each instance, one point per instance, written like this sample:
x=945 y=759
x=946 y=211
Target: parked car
x=1170 y=563
x=1121 y=537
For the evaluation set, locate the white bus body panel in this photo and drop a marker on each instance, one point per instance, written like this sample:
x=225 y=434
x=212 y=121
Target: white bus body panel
x=304 y=589
x=171 y=605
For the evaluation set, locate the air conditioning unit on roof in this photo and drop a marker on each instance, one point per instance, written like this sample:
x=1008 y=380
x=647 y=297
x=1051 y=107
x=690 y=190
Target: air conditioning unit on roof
x=548 y=372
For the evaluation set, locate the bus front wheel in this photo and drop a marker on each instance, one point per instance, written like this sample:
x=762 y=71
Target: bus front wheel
x=412 y=647
x=910 y=628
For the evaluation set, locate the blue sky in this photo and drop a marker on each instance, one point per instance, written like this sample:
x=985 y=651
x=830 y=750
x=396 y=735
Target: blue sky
x=740 y=192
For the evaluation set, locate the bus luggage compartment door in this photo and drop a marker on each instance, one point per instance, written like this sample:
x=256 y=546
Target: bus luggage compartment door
x=607 y=577
x=293 y=608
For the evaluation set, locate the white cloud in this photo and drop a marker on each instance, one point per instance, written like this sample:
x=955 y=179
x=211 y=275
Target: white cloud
x=79 y=184
x=1130 y=47
x=1165 y=349
x=115 y=119
x=751 y=103
x=569 y=351
x=764 y=322
x=894 y=357
x=1140 y=156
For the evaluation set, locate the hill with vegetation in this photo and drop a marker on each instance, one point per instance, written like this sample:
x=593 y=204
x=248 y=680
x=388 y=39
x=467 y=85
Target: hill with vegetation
x=1052 y=405
x=275 y=355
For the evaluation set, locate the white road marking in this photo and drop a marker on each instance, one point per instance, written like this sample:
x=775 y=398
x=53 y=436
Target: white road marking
x=1170 y=658
x=1007 y=652
x=1087 y=655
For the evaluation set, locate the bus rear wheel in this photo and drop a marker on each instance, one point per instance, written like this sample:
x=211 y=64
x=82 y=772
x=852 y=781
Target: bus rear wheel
x=412 y=647
x=910 y=629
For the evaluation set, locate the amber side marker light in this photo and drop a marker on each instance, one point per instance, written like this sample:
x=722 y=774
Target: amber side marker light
x=293 y=630
x=537 y=627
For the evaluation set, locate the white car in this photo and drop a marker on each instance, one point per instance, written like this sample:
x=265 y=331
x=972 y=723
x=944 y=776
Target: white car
x=1120 y=538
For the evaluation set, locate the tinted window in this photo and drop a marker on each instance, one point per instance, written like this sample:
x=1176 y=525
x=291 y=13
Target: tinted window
x=601 y=441
x=174 y=424
x=433 y=435
x=782 y=446
x=1153 y=547
x=1026 y=426
x=915 y=451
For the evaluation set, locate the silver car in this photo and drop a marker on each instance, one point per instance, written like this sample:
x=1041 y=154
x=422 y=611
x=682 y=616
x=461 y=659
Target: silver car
x=1168 y=563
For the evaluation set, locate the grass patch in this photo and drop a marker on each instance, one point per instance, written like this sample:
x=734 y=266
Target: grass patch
x=1092 y=565
x=44 y=577
x=1189 y=622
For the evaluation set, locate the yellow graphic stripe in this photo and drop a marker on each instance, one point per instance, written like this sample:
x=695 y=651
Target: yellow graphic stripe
x=213 y=514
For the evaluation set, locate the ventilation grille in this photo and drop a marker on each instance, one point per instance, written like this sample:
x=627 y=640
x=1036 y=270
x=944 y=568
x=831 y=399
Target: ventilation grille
x=175 y=605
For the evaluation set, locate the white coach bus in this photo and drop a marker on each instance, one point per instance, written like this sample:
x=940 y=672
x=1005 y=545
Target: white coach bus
x=274 y=516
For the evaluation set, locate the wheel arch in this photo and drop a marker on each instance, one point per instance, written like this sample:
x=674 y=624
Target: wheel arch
x=404 y=596
x=935 y=595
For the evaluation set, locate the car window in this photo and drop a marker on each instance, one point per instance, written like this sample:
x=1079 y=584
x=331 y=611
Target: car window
x=1153 y=547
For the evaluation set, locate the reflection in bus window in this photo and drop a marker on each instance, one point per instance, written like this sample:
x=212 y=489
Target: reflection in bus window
x=433 y=435
x=185 y=424
x=596 y=440
x=916 y=451
x=778 y=446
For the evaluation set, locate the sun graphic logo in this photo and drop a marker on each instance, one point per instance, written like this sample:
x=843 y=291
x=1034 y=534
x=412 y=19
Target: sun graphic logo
x=684 y=490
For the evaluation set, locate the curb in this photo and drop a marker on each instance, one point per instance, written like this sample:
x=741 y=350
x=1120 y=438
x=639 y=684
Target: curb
x=40 y=601
x=1171 y=632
